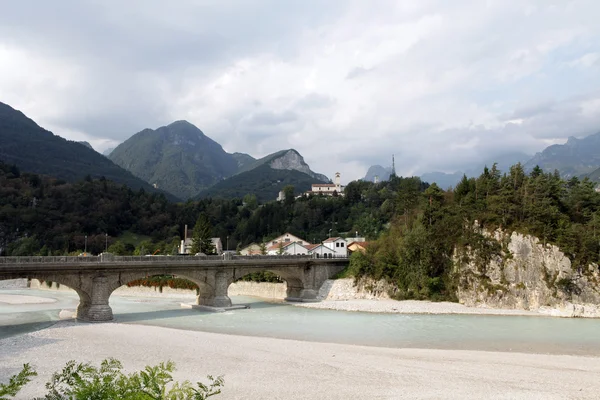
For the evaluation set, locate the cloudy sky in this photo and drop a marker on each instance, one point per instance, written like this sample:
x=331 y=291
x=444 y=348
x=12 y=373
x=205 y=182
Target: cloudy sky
x=440 y=84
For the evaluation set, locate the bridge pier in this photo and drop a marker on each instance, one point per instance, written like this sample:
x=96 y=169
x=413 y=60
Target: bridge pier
x=216 y=295
x=300 y=293
x=93 y=303
x=222 y=281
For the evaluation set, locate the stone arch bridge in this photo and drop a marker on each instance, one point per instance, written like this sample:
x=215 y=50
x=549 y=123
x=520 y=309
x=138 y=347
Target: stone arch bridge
x=95 y=278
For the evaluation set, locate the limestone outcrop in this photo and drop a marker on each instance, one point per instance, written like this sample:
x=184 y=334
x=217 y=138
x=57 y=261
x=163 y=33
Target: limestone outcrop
x=292 y=160
x=527 y=274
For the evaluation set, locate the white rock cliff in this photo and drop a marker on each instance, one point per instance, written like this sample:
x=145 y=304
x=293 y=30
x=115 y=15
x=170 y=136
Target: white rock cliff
x=528 y=275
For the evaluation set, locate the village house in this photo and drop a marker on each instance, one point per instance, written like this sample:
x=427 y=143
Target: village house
x=252 y=249
x=285 y=239
x=185 y=247
x=358 y=246
x=293 y=248
x=320 y=250
x=337 y=244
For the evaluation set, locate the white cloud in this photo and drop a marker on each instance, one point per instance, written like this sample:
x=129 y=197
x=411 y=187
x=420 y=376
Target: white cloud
x=440 y=84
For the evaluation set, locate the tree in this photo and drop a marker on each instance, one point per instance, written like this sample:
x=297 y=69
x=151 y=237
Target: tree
x=263 y=248
x=201 y=237
x=117 y=248
x=280 y=250
x=288 y=195
x=16 y=382
x=84 y=381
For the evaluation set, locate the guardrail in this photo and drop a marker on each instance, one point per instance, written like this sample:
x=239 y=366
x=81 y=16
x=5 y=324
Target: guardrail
x=155 y=259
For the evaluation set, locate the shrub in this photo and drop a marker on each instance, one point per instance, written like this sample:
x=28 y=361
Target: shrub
x=84 y=381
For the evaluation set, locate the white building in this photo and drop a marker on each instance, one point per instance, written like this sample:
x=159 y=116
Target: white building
x=328 y=189
x=321 y=251
x=294 y=248
x=285 y=239
x=186 y=245
x=338 y=245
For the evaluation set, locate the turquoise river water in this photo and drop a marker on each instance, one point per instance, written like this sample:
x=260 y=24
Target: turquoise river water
x=281 y=320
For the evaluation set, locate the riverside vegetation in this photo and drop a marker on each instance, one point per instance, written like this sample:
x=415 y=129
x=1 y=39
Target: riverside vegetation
x=417 y=228
x=83 y=381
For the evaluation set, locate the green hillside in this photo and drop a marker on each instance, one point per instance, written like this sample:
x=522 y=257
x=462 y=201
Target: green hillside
x=34 y=149
x=178 y=158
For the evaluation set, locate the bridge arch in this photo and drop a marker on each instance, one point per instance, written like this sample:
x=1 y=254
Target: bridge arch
x=72 y=282
x=205 y=282
x=299 y=285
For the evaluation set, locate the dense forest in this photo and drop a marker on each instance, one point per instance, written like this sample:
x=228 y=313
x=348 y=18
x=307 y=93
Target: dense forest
x=416 y=252
x=40 y=215
x=415 y=227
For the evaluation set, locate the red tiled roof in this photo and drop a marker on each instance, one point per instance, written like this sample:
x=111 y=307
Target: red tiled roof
x=277 y=246
x=311 y=246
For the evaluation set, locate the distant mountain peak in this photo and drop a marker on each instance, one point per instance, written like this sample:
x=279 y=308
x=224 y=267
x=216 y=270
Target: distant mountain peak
x=182 y=122
x=178 y=157
x=292 y=160
x=382 y=174
x=572 y=140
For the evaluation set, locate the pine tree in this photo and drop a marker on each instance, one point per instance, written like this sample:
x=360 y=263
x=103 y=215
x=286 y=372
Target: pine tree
x=263 y=249
x=201 y=237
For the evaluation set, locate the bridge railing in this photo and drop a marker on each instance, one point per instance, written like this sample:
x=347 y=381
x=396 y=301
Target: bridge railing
x=49 y=259
x=156 y=259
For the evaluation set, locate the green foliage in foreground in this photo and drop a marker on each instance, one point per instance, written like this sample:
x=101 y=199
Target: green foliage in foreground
x=16 y=382
x=84 y=381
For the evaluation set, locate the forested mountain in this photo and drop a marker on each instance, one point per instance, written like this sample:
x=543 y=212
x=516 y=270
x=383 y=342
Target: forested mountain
x=577 y=157
x=177 y=158
x=264 y=178
x=243 y=160
x=86 y=144
x=34 y=149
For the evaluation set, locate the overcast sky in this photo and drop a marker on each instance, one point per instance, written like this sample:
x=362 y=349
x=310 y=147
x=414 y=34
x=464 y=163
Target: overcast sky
x=441 y=84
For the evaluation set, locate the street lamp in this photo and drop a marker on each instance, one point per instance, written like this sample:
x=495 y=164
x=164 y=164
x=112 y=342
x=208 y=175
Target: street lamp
x=85 y=246
x=330 y=232
x=106 y=245
x=227 y=242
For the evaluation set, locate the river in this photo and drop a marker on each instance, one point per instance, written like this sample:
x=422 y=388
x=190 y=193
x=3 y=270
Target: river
x=281 y=320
